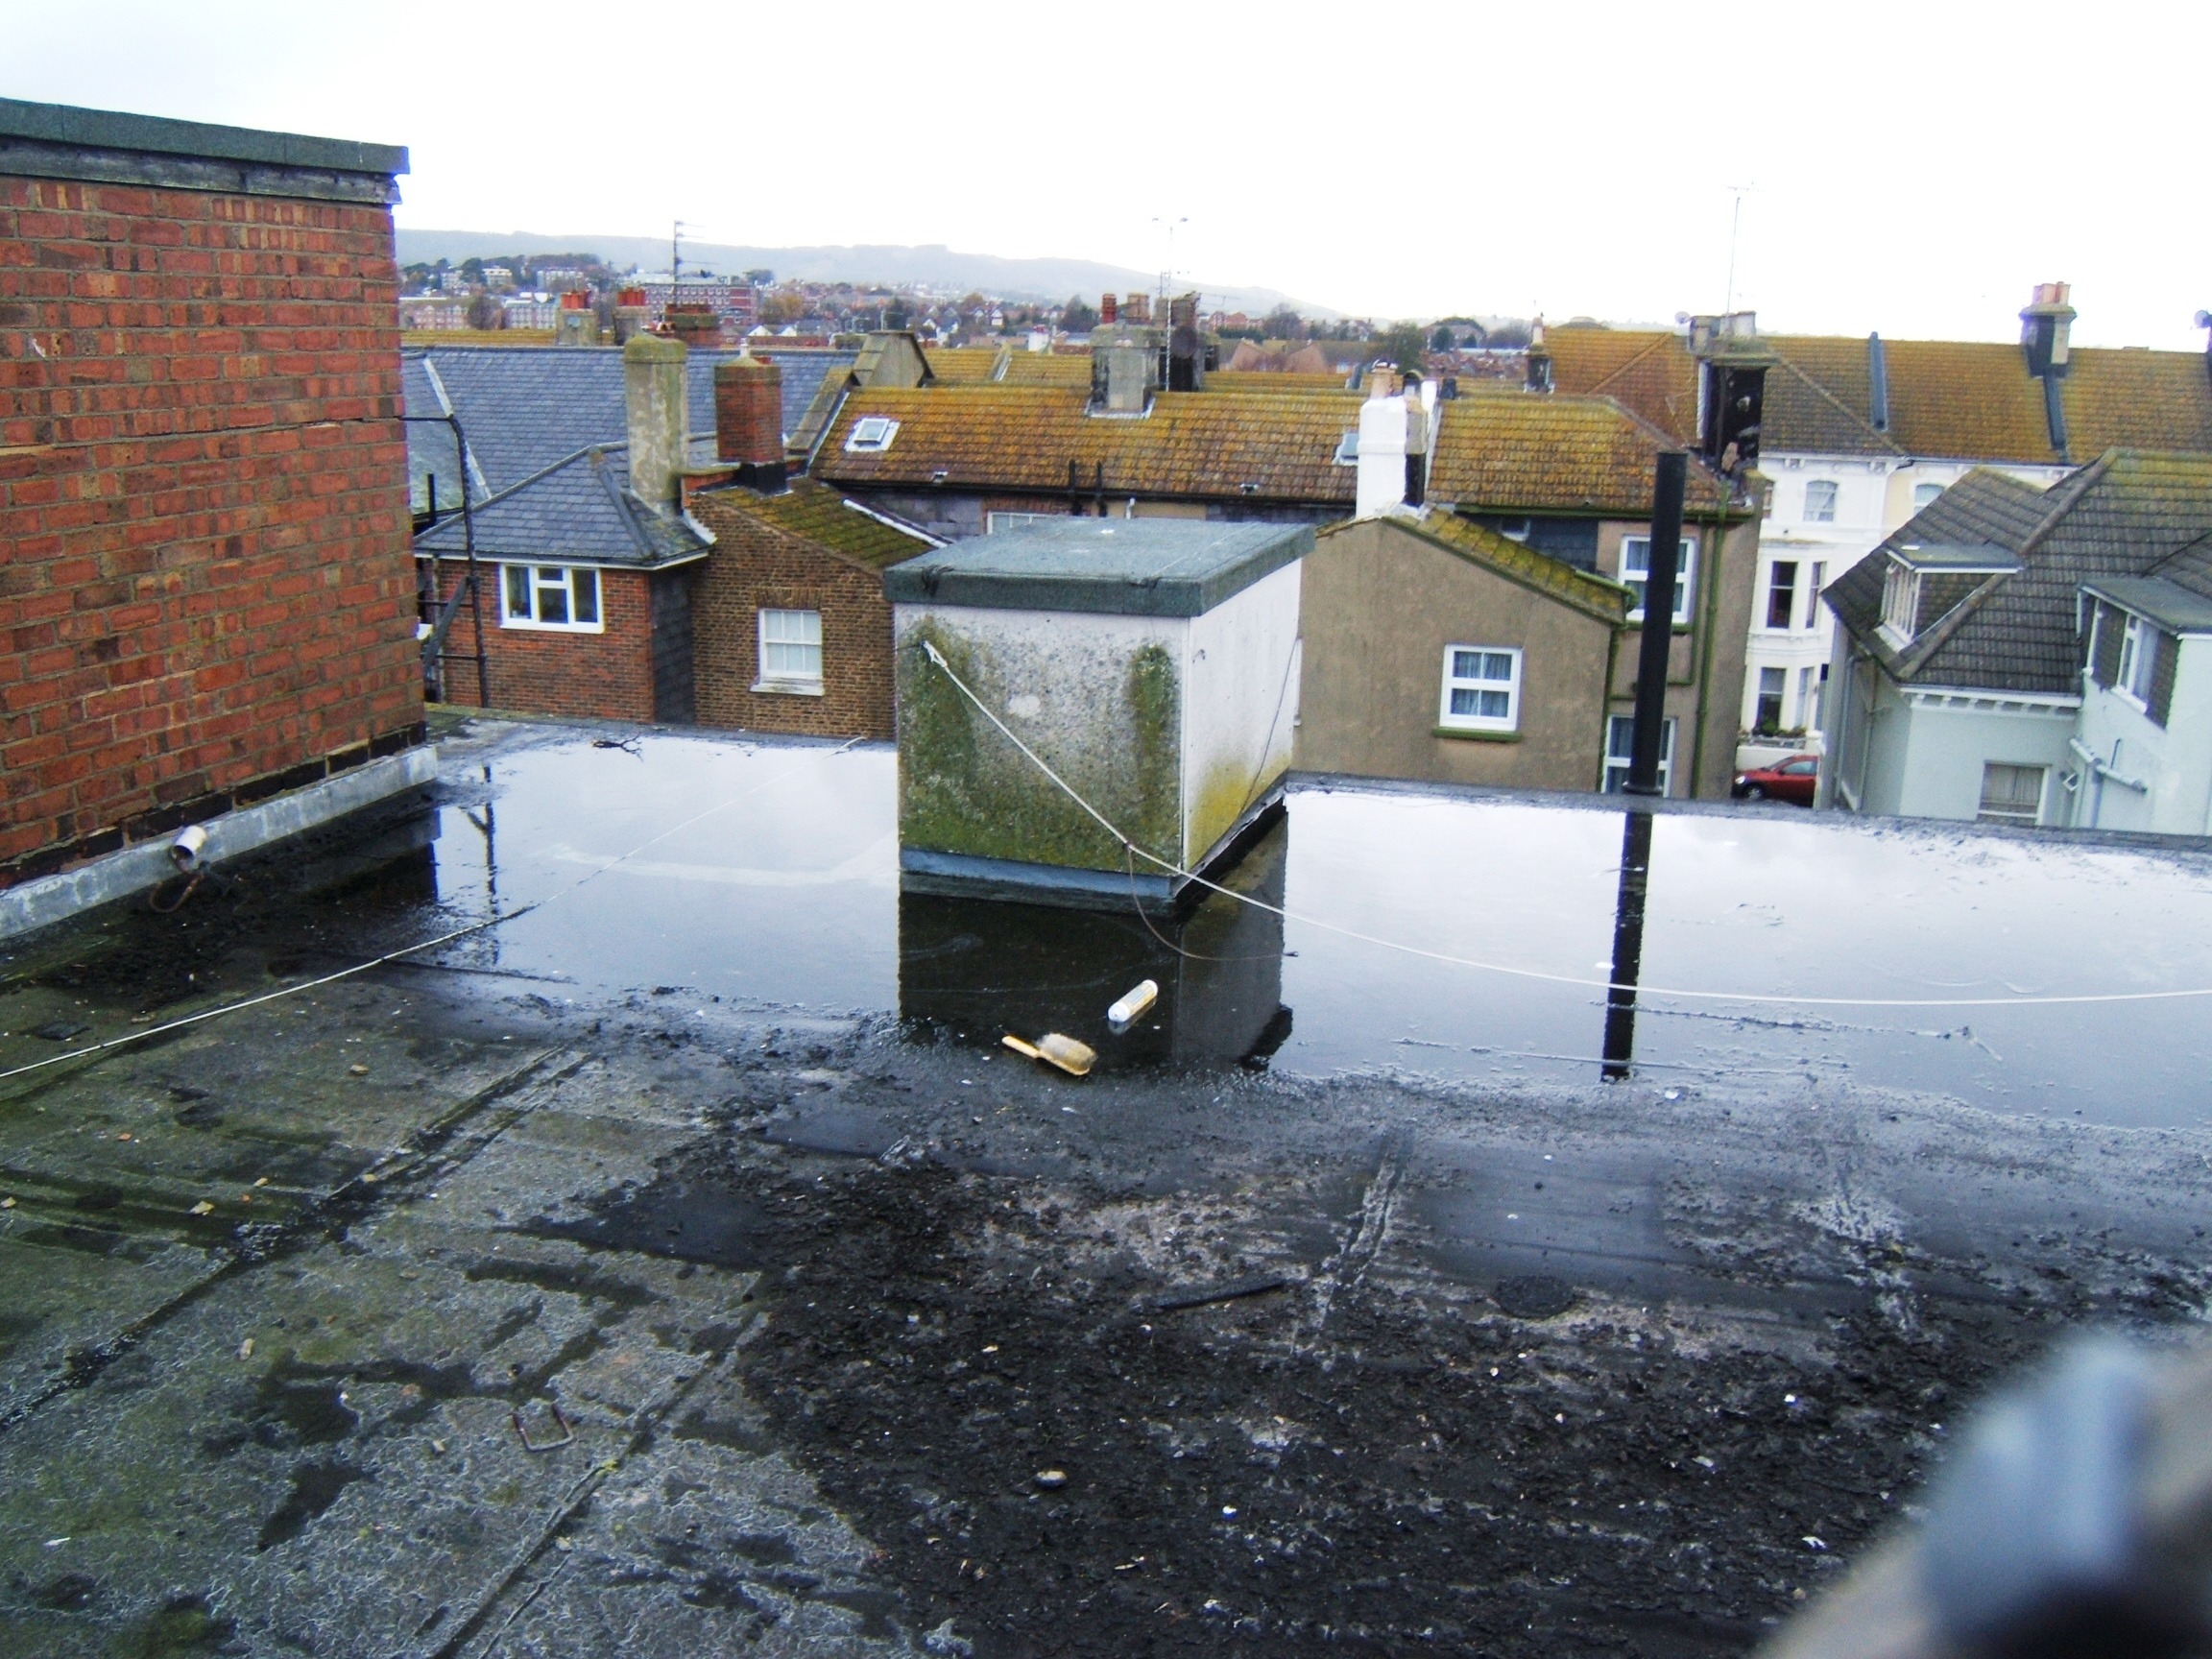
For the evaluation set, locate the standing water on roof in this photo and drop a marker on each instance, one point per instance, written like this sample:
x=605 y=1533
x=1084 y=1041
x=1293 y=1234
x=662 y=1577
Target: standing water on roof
x=769 y=874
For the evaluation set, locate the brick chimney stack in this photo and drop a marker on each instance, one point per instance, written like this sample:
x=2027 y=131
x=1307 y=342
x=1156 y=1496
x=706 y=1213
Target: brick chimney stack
x=749 y=420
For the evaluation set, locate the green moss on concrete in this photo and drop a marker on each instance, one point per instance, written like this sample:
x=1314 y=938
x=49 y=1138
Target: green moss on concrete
x=1223 y=797
x=964 y=788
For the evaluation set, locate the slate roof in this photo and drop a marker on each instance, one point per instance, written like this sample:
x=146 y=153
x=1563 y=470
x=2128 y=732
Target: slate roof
x=2128 y=514
x=1123 y=567
x=819 y=514
x=1949 y=400
x=523 y=410
x=1512 y=450
x=579 y=510
x=1193 y=444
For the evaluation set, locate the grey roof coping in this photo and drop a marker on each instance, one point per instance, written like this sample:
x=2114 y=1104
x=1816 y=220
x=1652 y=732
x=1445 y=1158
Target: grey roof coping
x=1955 y=556
x=1121 y=566
x=2168 y=604
x=67 y=125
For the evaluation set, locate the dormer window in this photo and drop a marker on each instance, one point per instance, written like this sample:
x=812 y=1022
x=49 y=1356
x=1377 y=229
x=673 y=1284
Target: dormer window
x=871 y=434
x=1348 y=448
x=1900 y=599
x=1925 y=580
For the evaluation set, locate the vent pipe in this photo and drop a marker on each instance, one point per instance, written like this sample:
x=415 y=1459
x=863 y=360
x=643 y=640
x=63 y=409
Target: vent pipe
x=1878 y=382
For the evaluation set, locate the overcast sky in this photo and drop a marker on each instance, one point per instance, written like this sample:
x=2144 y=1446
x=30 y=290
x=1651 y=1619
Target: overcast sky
x=1913 y=168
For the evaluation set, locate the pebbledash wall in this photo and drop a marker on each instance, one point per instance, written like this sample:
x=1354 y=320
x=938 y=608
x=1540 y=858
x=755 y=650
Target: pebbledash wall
x=207 y=595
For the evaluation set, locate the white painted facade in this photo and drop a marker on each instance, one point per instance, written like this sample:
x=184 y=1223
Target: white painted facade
x=1926 y=751
x=2131 y=773
x=1824 y=514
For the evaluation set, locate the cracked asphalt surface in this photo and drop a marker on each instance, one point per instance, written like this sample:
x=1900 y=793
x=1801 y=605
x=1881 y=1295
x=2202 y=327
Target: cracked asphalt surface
x=643 y=1323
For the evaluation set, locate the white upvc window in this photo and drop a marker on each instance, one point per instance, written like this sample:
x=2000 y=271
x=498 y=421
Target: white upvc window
x=1924 y=495
x=872 y=433
x=1812 y=592
x=563 y=597
x=1482 y=688
x=2138 y=659
x=1900 y=598
x=1820 y=500
x=994 y=522
x=790 y=652
x=1636 y=570
x=1621 y=750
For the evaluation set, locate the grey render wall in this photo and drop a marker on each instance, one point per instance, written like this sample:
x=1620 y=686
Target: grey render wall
x=1380 y=607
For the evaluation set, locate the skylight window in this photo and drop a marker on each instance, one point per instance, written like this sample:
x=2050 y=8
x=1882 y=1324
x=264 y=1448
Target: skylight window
x=872 y=433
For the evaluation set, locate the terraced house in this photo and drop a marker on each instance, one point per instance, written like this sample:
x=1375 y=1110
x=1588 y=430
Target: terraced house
x=1858 y=435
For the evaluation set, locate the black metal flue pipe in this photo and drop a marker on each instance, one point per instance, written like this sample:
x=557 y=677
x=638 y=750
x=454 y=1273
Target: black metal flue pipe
x=1658 y=621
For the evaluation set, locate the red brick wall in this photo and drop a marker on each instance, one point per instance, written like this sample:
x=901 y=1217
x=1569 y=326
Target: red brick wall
x=202 y=505
x=755 y=568
x=603 y=676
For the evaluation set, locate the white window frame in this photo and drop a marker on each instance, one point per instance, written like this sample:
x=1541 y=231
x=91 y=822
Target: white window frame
x=1919 y=506
x=1510 y=686
x=781 y=679
x=536 y=585
x=994 y=522
x=1685 y=577
x=2140 y=643
x=1900 y=600
x=871 y=435
x=1834 y=502
x=1773 y=583
x=1813 y=584
x=1620 y=735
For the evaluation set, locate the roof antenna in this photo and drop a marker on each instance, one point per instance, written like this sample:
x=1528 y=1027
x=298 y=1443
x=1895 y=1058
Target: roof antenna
x=1735 y=224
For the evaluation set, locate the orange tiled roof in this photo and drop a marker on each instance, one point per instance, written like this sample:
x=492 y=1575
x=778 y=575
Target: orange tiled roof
x=1192 y=445
x=1949 y=400
x=1275 y=380
x=962 y=365
x=1511 y=449
x=1047 y=369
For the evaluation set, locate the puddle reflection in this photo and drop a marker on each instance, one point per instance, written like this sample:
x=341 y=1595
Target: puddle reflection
x=768 y=874
x=977 y=968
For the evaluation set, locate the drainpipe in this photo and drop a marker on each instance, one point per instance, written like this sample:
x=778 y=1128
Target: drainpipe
x=2099 y=771
x=1705 y=650
x=1658 y=635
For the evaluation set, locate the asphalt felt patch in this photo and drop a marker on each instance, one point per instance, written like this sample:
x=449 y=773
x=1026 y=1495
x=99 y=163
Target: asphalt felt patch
x=1251 y=1472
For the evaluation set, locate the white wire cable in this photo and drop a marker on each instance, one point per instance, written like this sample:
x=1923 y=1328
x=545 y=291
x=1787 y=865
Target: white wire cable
x=489 y=921
x=1639 y=991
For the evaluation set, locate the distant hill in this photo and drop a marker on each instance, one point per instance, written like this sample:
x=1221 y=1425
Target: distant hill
x=938 y=266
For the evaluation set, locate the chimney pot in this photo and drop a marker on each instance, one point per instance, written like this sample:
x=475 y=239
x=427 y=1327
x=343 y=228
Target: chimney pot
x=1109 y=310
x=659 y=416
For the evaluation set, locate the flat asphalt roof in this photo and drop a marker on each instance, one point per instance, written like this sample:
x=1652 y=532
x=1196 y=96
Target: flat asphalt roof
x=1128 y=567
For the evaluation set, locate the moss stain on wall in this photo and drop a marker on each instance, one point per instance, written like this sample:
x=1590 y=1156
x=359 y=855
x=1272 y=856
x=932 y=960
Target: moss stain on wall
x=964 y=788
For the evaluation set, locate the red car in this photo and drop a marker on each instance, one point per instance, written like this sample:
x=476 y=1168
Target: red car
x=1791 y=780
